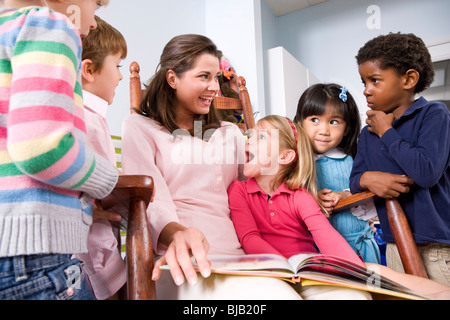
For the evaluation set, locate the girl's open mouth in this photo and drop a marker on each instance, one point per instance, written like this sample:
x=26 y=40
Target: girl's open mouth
x=249 y=156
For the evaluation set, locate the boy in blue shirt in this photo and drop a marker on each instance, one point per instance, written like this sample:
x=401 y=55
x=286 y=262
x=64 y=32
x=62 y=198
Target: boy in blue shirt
x=404 y=149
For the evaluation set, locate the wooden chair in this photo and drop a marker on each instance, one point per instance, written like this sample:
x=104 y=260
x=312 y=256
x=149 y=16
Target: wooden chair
x=243 y=103
x=136 y=91
x=401 y=230
x=130 y=199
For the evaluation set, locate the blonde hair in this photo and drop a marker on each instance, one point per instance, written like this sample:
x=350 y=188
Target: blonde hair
x=301 y=173
x=103 y=41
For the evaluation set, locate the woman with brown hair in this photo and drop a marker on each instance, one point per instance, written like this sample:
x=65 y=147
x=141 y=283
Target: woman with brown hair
x=178 y=139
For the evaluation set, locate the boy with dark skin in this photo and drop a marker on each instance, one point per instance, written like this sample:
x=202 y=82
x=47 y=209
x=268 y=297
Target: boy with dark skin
x=403 y=152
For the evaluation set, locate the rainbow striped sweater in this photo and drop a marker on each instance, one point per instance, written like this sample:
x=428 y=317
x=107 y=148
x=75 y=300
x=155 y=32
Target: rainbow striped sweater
x=48 y=175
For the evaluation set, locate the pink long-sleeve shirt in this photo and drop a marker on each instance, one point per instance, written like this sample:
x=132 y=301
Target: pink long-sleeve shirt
x=191 y=178
x=287 y=223
x=103 y=263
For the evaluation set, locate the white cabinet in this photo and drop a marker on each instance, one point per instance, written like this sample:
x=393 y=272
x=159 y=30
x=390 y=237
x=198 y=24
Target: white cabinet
x=286 y=80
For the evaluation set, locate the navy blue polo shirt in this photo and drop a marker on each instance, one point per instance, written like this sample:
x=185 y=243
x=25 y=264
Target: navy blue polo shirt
x=418 y=146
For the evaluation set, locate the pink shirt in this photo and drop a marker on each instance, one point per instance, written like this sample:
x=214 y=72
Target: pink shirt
x=287 y=223
x=103 y=263
x=191 y=178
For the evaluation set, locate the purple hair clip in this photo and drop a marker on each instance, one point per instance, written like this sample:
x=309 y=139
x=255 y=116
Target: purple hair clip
x=343 y=94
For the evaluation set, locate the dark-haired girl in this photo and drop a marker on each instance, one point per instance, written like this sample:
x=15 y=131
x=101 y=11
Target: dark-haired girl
x=330 y=117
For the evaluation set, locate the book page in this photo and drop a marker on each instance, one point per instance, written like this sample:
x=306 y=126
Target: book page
x=249 y=262
x=296 y=261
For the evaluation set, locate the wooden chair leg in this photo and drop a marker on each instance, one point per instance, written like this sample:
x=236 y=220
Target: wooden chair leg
x=139 y=258
x=403 y=237
x=412 y=262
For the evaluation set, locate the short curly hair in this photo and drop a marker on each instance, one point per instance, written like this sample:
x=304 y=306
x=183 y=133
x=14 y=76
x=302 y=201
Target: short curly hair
x=400 y=52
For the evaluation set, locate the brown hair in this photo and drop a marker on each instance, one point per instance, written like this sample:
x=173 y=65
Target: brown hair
x=103 y=41
x=179 y=55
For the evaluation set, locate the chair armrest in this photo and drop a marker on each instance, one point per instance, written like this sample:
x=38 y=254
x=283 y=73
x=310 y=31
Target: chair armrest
x=400 y=228
x=130 y=198
x=353 y=200
x=128 y=188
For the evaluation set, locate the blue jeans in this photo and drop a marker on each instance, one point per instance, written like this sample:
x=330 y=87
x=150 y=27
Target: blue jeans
x=43 y=277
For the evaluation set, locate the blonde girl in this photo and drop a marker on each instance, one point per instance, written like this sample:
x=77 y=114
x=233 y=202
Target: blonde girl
x=276 y=211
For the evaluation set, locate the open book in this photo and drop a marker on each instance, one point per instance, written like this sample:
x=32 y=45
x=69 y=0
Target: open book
x=310 y=269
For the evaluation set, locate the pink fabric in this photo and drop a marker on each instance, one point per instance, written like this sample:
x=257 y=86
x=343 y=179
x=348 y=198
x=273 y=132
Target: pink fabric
x=104 y=265
x=99 y=137
x=191 y=178
x=287 y=223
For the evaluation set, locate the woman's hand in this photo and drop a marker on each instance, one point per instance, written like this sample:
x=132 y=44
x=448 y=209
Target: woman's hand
x=183 y=243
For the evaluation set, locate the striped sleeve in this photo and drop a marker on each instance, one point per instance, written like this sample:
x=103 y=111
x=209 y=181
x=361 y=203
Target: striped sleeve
x=46 y=130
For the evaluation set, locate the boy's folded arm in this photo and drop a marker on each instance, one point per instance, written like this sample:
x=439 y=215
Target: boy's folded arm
x=355 y=176
x=386 y=185
x=426 y=160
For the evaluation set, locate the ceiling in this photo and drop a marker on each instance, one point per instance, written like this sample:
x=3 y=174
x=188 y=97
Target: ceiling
x=282 y=7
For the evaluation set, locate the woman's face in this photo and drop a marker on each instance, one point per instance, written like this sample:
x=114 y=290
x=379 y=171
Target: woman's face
x=196 y=88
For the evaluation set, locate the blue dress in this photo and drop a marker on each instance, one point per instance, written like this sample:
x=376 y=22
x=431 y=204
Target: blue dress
x=333 y=172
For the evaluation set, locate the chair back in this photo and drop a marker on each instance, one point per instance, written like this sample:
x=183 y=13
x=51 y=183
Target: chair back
x=136 y=91
x=243 y=104
x=221 y=103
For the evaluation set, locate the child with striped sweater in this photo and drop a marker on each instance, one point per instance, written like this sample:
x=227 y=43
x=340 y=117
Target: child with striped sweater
x=48 y=174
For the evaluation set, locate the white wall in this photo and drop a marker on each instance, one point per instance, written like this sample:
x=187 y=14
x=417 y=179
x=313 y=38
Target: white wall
x=286 y=80
x=235 y=27
x=147 y=25
x=326 y=38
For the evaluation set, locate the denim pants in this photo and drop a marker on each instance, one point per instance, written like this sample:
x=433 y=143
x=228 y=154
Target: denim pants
x=43 y=277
